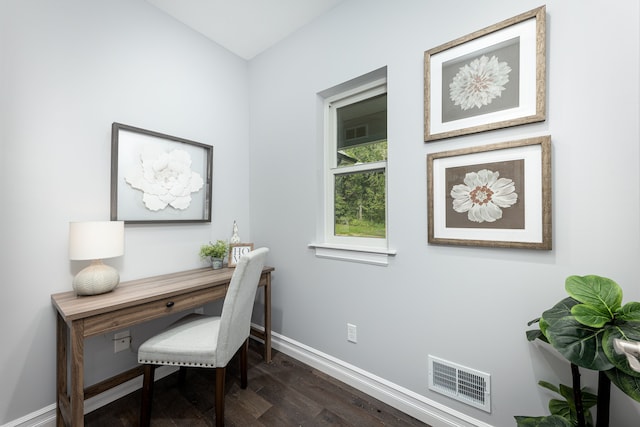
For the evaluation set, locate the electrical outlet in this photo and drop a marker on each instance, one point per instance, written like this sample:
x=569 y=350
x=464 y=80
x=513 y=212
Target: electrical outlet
x=121 y=341
x=352 y=333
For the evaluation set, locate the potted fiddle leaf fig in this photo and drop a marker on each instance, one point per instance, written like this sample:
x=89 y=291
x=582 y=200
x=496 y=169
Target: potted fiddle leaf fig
x=216 y=252
x=583 y=327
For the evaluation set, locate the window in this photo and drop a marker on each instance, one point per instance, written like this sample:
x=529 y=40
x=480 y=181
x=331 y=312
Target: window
x=355 y=165
x=356 y=190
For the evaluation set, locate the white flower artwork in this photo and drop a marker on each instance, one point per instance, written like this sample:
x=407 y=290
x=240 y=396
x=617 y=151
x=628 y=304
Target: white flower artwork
x=478 y=83
x=483 y=196
x=165 y=178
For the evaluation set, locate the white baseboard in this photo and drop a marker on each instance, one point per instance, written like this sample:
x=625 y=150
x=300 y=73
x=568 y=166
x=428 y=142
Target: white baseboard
x=407 y=401
x=46 y=417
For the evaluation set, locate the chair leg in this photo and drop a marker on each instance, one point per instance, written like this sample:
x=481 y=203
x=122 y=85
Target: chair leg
x=147 y=395
x=182 y=375
x=220 y=373
x=243 y=364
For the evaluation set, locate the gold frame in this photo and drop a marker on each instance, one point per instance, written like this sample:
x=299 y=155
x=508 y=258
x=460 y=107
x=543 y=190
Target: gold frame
x=536 y=233
x=531 y=102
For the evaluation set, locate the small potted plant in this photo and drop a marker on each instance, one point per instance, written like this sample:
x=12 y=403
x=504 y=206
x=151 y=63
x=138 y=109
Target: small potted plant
x=216 y=252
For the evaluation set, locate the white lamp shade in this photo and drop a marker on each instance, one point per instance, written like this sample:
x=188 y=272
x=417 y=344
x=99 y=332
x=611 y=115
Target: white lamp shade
x=96 y=239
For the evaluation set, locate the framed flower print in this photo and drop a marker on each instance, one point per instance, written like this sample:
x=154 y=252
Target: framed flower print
x=490 y=79
x=158 y=178
x=497 y=195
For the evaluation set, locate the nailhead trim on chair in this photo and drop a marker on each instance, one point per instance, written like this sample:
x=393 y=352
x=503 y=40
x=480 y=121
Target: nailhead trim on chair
x=156 y=362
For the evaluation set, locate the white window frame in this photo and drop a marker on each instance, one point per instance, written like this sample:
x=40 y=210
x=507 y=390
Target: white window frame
x=358 y=249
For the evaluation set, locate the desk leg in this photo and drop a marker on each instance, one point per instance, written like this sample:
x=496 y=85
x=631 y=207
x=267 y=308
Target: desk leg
x=77 y=373
x=267 y=320
x=61 y=368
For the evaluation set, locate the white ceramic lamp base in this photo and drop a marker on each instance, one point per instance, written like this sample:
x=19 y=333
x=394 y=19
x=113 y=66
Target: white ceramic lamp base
x=95 y=279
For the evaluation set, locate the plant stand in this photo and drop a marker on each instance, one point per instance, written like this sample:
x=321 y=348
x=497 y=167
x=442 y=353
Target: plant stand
x=577 y=395
x=604 y=397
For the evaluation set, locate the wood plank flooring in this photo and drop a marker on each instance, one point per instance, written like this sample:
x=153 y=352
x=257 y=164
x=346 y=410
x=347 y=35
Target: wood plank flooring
x=282 y=393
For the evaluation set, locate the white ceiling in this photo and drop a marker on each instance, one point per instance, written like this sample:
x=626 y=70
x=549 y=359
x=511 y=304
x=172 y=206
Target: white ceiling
x=245 y=27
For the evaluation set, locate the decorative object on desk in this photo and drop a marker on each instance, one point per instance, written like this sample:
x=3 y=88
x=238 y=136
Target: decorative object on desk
x=237 y=250
x=490 y=79
x=235 y=238
x=95 y=241
x=159 y=178
x=216 y=252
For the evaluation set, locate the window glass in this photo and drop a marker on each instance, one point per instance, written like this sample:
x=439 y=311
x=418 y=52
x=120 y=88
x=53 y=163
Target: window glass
x=360 y=209
x=362 y=131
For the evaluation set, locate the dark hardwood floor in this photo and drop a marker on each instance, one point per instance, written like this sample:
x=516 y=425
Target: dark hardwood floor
x=282 y=393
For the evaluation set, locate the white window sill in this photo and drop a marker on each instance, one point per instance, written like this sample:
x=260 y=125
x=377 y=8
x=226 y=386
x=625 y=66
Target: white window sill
x=375 y=256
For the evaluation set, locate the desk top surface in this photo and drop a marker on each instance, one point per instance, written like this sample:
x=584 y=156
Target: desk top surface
x=139 y=291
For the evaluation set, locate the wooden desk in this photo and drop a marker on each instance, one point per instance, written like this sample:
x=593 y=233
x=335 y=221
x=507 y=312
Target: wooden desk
x=131 y=303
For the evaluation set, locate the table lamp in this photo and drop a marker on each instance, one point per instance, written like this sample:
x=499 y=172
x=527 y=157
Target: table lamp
x=95 y=241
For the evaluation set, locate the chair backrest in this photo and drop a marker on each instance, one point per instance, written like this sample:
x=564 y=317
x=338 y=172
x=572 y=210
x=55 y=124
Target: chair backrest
x=235 y=321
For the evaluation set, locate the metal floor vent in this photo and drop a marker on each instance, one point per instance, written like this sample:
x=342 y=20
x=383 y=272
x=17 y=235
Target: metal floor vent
x=463 y=384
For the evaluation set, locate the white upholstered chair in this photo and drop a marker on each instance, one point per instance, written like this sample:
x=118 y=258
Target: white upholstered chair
x=207 y=341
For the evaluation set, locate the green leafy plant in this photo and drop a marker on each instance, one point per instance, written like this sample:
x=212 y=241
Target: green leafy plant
x=583 y=326
x=563 y=412
x=548 y=421
x=214 y=250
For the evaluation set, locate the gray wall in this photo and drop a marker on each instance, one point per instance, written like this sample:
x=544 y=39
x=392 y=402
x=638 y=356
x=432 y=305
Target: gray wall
x=69 y=68
x=466 y=305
